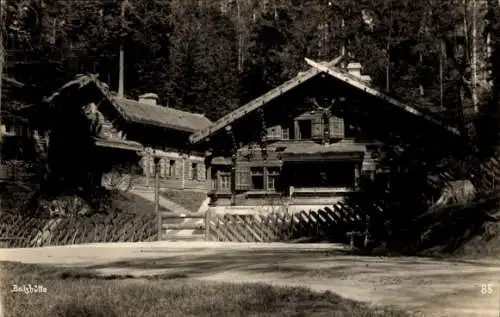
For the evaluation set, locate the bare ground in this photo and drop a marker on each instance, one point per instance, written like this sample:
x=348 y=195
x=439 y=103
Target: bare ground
x=435 y=287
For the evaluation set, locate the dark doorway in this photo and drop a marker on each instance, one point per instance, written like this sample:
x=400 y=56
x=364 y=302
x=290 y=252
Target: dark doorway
x=305 y=128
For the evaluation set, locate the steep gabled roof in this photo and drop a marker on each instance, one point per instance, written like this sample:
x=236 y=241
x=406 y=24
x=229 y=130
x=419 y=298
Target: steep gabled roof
x=257 y=103
x=353 y=81
x=164 y=117
x=317 y=68
x=134 y=111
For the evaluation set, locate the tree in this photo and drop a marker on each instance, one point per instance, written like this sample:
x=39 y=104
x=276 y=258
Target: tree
x=203 y=62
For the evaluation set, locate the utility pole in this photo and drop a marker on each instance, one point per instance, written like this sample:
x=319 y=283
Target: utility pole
x=122 y=54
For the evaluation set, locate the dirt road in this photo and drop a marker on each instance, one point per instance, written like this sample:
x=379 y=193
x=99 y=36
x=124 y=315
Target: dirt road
x=437 y=288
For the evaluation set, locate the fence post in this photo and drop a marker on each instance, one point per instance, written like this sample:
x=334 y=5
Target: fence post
x=367 y=230
x=157 y=195
x=207 y=224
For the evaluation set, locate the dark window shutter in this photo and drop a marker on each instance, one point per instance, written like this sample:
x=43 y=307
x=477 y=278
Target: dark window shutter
x=337 y=130
x=243 y=181
x=317 y=127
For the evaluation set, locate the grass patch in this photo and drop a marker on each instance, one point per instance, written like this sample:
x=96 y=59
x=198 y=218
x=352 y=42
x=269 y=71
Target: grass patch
x=131 y=203
x=75 y=293
x=190 y=200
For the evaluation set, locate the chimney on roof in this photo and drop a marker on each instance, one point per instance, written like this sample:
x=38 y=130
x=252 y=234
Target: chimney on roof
x=355 y=70
x=149 y=99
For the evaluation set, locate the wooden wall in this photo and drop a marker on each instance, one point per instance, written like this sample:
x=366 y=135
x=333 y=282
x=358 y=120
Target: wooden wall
x=175 y=170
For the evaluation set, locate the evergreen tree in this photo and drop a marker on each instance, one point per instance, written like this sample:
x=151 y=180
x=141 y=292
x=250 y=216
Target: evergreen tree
x=203 y=62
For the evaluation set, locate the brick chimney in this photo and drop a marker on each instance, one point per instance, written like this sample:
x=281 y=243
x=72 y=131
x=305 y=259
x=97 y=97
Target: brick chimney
x=149 y=99
x=355 y=70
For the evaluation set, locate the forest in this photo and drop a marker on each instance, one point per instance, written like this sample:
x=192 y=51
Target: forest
x=211 y=56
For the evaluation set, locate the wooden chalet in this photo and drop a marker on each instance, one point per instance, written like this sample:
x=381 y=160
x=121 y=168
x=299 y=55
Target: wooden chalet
x=308 y=141
x=95 y=132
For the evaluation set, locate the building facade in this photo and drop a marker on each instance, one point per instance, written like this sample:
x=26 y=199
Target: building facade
x=115 y=140
x=308 y=142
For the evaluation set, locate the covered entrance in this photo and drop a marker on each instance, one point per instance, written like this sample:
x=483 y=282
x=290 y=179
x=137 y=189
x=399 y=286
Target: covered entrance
x=331 y=168
x=332 y=174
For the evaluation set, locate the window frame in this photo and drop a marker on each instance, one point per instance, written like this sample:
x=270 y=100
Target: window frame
x=260 y=173
x=285 y=133
x=171 y=168
x=300 y=123
x=272 y=173
x=222 y=178
x=194 y=171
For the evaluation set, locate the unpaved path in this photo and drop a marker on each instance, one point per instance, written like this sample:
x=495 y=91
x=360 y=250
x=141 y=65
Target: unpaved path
x=437 y=288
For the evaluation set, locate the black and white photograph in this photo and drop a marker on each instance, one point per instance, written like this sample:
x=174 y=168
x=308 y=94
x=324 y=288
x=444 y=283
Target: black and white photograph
x=270 y=158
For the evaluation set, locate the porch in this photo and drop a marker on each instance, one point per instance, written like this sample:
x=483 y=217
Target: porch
x=306 y=171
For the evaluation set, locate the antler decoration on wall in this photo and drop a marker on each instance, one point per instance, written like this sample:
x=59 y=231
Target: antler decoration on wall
x=325 y=110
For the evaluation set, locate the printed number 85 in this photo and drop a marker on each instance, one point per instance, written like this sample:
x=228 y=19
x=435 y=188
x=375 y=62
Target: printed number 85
x=486 y=289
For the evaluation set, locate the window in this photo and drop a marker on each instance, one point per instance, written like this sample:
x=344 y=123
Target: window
x=171 y=168
x=243 y=181
x=286 y=134
x=274 y=133
x=151 y=165
x=148 y=165
x=305 y=129
x=163 y=168
x=194 y=171
x=272 y=178
x=224 y=181
x=257 y=174
x=336 y=128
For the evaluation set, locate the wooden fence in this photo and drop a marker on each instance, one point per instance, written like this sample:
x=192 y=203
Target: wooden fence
x=177 y=226
x=334 y=223
x=21 y=231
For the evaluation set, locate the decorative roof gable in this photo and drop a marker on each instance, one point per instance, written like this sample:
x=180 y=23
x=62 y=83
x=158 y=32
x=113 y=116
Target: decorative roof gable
x=357 y=81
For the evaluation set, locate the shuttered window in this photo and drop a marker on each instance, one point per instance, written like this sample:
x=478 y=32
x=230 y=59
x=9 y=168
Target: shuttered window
x=274 y=133
x=317 y=127
x=187 y=170
x=337 y=129
x=163 y=168
x=243 y=181
x=178 y=170
x=201 y=172
x=144 y=165
x=151 y=165
x=286 y=133
x=224 y=180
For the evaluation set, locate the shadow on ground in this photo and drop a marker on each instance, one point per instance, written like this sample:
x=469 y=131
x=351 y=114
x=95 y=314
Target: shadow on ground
x=291 y=264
